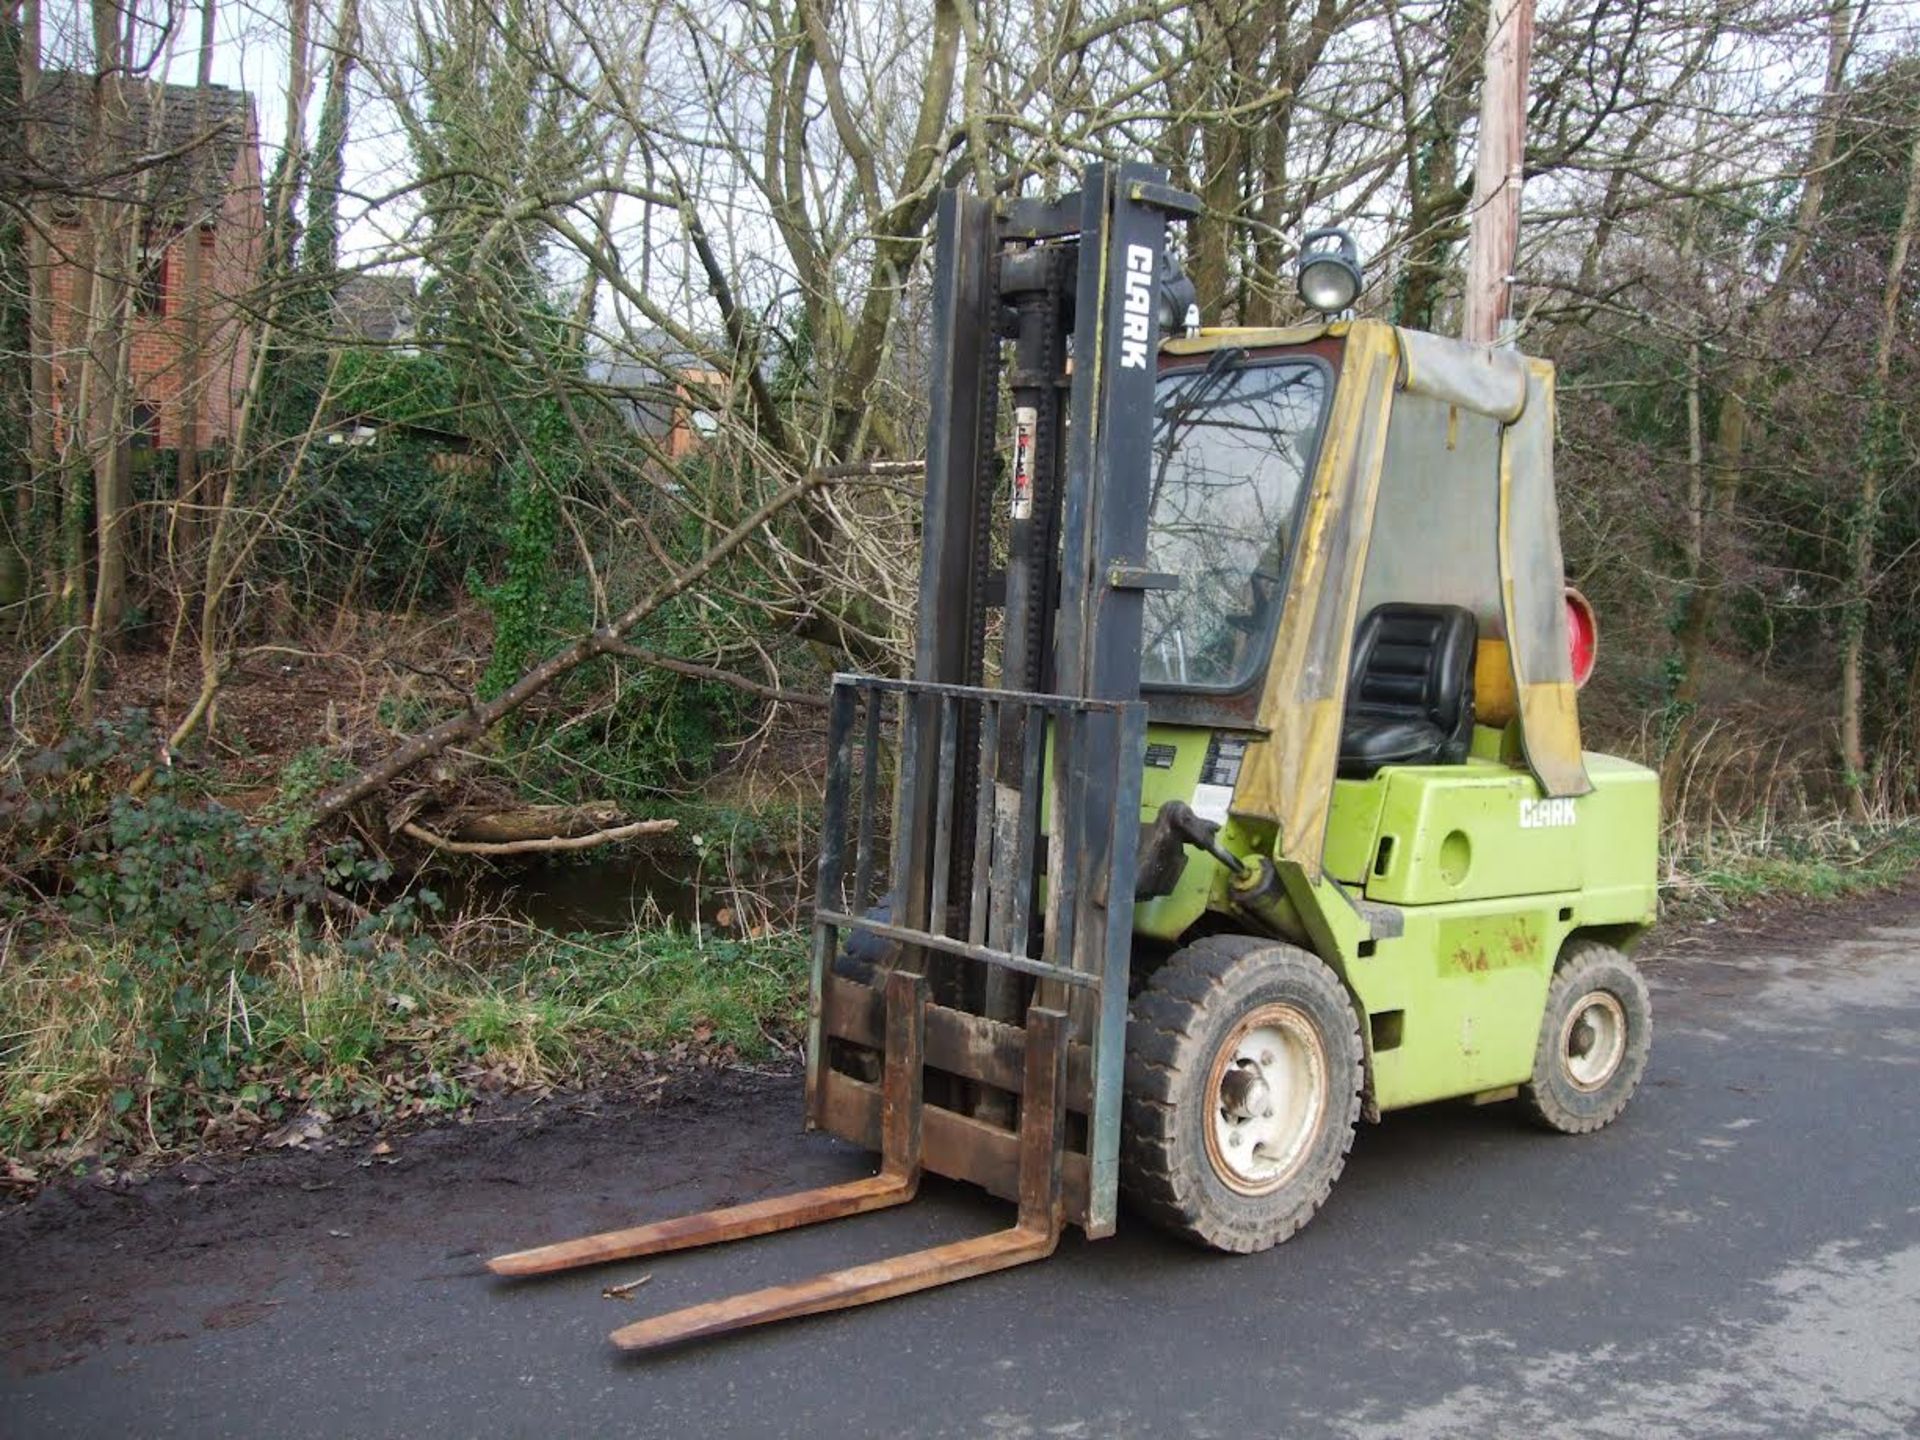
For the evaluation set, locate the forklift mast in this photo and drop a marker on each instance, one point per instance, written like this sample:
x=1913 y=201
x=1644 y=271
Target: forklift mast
x=1083 y=276
x=1064 y=300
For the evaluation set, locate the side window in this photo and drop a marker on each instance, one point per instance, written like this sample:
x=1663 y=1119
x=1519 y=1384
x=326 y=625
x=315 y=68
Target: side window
x=150 y=275
x=143 y=426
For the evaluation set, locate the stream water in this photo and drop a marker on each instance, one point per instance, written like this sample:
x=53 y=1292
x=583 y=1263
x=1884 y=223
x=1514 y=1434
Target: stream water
x=635 y=888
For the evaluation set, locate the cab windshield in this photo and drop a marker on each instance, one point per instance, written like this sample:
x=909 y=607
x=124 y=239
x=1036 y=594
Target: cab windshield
x=1233 y=446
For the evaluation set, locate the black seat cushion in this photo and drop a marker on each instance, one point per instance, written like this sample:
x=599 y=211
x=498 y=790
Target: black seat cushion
x=1410 y=693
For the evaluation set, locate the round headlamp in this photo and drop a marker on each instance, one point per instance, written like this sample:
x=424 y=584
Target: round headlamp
x=1328 y=274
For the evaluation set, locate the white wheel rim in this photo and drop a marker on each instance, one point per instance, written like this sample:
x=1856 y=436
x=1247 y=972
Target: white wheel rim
x=1593 y=1041
x=1268 y=1087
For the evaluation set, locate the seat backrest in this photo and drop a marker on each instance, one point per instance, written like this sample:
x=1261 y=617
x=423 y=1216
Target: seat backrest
x=1415 y=662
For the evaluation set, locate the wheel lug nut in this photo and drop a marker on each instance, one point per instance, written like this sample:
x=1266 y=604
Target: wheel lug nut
x=1266 y=1057
x=1234 y=1139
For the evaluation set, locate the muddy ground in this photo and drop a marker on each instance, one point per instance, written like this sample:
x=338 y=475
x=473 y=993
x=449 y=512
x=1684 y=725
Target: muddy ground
x=83 y=1263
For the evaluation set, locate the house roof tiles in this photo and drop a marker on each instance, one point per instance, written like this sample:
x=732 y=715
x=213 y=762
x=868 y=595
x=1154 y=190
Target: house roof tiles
x=173 y=147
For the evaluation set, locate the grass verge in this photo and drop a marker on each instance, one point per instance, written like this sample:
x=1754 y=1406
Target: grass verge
x=105 y=1053
x=183 y=977
x=1729 y=867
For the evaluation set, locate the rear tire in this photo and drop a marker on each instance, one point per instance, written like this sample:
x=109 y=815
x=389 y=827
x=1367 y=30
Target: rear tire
x=1594 y=1040
x=1244 y=1073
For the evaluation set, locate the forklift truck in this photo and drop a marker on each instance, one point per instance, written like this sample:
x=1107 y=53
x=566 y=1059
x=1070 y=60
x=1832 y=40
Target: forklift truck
x=1238 y=791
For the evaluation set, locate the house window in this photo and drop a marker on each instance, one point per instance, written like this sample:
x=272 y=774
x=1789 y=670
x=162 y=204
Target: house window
x=143 y=426
x=150 y=276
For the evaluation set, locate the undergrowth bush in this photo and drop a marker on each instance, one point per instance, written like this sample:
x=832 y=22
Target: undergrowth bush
x=1711 y=871
x=401 y=515
x=161 y=917
x=175 y=973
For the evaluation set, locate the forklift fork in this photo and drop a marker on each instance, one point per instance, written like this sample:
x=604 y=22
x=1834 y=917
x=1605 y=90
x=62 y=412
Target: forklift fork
x=1033 y=1236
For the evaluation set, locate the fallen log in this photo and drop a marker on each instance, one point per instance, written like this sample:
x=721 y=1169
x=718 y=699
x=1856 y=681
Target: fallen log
x=528 y=847
x=477 y=719
x=532 y=822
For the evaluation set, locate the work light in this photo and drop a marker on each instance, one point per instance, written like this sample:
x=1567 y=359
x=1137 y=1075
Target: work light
x=1329 y=270
x=1179 y=299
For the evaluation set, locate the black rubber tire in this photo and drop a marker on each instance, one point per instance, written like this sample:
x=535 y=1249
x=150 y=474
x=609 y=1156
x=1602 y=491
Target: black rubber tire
x=861 y=952
x=1175 y=1027
x=1551 y=1097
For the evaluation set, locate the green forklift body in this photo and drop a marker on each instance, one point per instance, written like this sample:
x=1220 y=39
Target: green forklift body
x=1441 y=893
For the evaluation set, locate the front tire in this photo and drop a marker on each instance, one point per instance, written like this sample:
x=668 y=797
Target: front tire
x=1244 y=1073
x=1594 y=1040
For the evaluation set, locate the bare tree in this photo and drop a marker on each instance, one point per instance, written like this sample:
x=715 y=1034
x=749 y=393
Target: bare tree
x=1740 y=387
x=1877 y=459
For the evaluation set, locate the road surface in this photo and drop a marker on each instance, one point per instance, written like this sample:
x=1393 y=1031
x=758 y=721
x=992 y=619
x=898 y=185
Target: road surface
x=1740 y=1255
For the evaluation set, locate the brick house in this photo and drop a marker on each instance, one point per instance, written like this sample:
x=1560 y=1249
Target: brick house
x=663 y=396
x=205 y=190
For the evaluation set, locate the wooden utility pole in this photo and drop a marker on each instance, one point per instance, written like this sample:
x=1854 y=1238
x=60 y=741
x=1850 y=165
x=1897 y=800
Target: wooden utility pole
x=1498 y=172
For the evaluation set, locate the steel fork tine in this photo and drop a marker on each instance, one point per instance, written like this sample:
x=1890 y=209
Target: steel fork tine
x=1034 y=1237
x=840 y=1289
x=711 y=1227
x=897 y=1182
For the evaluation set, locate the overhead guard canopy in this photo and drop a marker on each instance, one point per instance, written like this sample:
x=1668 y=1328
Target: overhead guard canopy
x=1288 y=780
x=1487 y=382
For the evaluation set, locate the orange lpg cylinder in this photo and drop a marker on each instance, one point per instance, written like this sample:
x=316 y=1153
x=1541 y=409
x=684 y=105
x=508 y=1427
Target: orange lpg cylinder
x=1493 y=695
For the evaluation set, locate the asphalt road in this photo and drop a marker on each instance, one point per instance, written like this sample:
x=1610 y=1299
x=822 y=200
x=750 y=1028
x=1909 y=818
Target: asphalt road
x=1740 y=1255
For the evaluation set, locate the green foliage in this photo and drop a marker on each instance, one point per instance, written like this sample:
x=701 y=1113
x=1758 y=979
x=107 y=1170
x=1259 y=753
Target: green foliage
x=650 y=987
x=54 y=796
x=320 y=245
x=176 y=969
x=795 y=380
x=303 y=779
x=531 y=607
x=171 y=871
x=196 y=905
x=652 y=730
x=101 y=1045
x=655 y=733
x=659 y=733
x=393 y=526
x=391 y=522
x=189 y=909
x=397 y=388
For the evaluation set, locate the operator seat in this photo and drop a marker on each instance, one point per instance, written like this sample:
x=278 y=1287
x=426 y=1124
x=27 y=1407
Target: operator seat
x=1410 y=692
